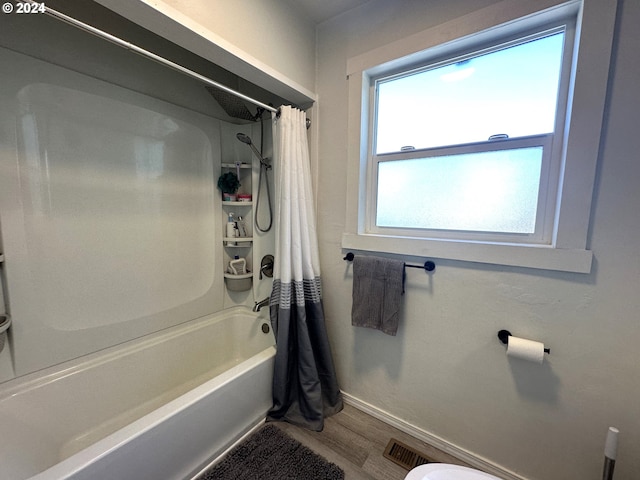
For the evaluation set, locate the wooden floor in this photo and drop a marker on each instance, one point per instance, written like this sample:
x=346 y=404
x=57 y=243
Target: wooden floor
x=355 y=441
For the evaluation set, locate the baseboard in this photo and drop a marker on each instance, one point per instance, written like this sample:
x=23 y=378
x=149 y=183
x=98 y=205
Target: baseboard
x=458 y=452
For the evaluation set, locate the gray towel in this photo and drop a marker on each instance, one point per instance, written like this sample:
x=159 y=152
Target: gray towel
x=378 y=284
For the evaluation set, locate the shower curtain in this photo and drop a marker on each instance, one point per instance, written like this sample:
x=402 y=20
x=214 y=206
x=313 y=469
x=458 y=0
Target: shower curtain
x=305 y=388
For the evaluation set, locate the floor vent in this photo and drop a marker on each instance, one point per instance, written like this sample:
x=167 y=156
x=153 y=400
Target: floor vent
x=404 y=455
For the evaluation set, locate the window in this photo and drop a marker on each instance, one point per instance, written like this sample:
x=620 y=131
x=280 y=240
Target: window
x=473 y=148
x=484 y=125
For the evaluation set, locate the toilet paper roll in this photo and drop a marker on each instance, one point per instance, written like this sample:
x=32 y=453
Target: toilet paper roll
x=529 y=350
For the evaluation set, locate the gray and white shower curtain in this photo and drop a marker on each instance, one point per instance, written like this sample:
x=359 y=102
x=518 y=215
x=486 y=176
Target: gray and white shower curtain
x=305 y=388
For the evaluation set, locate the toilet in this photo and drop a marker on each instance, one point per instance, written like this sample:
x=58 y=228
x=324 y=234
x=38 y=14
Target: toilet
x=446 y=471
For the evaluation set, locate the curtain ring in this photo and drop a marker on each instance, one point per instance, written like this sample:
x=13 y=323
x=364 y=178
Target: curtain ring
x=307 y=122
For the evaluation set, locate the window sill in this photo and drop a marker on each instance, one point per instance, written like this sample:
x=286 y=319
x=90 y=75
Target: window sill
x=528 y=256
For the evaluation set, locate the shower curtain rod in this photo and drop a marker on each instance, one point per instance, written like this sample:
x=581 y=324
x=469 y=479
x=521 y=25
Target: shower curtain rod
x=145 y=53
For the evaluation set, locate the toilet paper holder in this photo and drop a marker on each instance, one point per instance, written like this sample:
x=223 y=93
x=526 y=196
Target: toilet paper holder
x=504 y=335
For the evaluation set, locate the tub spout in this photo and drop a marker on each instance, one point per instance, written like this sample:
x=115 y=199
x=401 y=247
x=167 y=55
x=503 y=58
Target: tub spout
x=260 y=304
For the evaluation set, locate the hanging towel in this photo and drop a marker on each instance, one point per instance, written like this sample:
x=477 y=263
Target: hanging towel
x=378 y=285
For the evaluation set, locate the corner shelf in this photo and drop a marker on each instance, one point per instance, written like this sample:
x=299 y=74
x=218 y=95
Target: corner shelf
x=233 y=165
x=238 y=277
x=247 y=240
x=239 y=246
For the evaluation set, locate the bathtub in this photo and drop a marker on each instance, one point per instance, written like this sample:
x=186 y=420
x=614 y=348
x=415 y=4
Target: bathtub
x=160 y=407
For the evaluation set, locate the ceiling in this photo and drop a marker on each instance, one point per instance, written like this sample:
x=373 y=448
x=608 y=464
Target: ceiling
x=320 y=10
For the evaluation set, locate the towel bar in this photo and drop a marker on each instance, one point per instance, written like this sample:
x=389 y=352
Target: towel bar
x=428 y=266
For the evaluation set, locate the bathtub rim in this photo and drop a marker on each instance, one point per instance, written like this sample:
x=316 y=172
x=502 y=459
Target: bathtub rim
x=45 y=376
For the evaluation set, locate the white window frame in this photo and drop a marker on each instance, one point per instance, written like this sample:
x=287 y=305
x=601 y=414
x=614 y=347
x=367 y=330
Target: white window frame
x=565 y=246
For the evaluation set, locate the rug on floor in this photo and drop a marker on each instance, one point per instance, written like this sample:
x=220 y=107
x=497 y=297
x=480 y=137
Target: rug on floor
x=271 y=454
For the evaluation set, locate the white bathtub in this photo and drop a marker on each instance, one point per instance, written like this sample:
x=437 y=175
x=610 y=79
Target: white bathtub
x=156 y=408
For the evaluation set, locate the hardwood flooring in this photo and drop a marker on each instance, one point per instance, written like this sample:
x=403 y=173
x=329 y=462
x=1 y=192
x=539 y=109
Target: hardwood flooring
x=355 y=441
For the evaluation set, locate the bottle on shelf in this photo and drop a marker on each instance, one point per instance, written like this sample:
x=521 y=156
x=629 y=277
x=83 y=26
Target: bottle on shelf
x=231 y=228
x=242 y=227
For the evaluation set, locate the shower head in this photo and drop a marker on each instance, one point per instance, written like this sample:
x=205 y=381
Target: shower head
x=247 y=139
x=244 y=138
x=232 y=105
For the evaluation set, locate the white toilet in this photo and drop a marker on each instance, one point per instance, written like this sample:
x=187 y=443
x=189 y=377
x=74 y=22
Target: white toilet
x=446 y=471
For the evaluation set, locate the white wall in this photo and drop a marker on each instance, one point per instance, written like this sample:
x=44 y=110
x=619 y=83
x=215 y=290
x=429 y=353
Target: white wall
x=265 y=29
x=445 y=372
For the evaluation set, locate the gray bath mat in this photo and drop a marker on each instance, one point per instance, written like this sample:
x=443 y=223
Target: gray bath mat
x=271 y=454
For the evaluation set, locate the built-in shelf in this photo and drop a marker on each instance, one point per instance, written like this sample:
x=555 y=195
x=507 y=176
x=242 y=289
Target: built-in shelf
x=238 y=283
x=238 y=277
x=241 y=242
x=239 y=247
x=233 y=165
